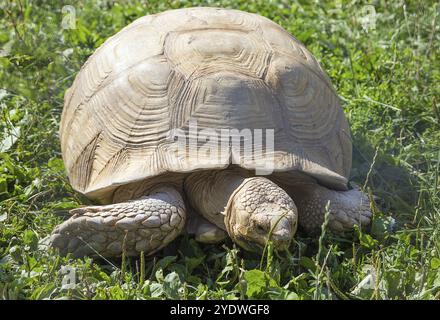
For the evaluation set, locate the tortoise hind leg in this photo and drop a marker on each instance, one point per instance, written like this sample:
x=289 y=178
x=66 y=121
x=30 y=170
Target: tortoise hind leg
x=145 y=224
x=347 y=208
x=203 y=230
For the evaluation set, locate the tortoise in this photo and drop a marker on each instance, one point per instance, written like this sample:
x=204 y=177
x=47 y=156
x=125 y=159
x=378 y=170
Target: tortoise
x=144 y=89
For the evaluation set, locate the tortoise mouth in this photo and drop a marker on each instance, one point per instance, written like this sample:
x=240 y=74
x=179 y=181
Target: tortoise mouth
x=248 y=244
x=256 y=242
x=279 y=243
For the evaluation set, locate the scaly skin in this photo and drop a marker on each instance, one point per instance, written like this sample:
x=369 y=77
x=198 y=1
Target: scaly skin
x=347 y=208
x=250 y=209
x=146 y=224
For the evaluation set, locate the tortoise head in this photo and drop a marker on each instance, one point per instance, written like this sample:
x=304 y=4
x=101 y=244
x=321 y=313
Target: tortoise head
x=261 y=211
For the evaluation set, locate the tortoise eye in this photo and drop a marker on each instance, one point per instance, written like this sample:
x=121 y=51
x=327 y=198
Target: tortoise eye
x=260 y=228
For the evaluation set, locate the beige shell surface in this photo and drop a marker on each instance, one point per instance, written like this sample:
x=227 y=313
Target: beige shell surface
x=224 y=68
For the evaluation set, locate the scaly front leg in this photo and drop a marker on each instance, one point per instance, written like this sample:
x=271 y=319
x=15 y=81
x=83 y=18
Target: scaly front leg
x=347 y=208
x=146 y=224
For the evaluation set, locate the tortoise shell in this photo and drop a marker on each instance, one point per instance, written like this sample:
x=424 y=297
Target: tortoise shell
x=226 y=69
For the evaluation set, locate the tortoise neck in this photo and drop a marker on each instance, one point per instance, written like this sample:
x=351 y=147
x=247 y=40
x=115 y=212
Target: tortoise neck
x=210 y=193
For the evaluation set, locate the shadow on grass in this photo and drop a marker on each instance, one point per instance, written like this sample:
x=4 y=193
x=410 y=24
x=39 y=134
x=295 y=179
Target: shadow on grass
x=396 y=188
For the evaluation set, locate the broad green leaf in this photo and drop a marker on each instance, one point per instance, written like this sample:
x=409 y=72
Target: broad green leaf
x=307 y=263
x=435 y=263
x=30 y=239
x=156 y=290
x=256 y=282
x=171 y=285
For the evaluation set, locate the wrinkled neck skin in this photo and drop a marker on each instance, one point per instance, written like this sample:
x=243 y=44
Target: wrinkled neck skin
x=210 y=194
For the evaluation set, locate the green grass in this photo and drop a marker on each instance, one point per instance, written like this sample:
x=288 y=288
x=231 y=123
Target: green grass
x=388 y=79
